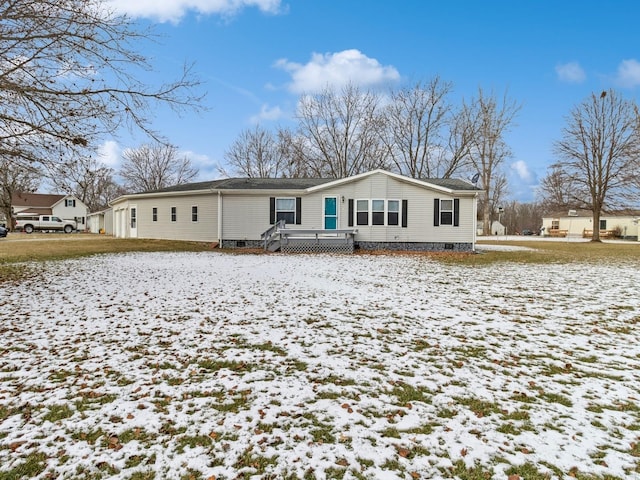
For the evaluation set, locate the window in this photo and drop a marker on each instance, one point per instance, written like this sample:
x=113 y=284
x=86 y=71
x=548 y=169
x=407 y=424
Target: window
x=603 y=224
x=69 y=202
x=555 y=224
x=154 y=214
x=362 y=212
x=194 y=213
x=377 y=212
x=393 y=210
x=286 y=210
x=174 y=214
x=134 y=217
x=446 y=212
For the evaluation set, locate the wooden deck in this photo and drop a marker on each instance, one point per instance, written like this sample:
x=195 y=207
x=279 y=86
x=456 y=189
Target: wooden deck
x=295 y=240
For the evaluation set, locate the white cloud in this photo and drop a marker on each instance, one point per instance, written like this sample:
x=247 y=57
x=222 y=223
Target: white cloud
x=174 y=10
x=521 y=169
x=336 y=70
x=110 y=154
x=268 y=113
x=628 y=73
x=570 y=72
x=206 y=168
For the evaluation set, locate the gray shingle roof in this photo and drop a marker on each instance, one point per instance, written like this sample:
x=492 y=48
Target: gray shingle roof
x=292 y=184
x=248 y=184
x=451 y=183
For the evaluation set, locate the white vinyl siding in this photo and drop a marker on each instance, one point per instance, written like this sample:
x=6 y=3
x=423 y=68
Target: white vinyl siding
x=205 y=229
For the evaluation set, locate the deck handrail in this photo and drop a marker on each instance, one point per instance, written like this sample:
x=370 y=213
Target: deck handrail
x=269 y=233
x=288 y=232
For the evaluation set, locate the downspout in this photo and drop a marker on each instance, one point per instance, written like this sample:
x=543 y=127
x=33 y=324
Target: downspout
x=475 y=221
x=219 y=219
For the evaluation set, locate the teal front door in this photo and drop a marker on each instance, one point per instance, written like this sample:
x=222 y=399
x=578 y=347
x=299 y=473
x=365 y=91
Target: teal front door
x=330 y=213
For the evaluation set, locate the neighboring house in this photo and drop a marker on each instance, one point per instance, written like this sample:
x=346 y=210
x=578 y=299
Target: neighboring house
x=579 y=223
x=67 y=207
x=498 y=228
x=377 y=209
x=101 y=222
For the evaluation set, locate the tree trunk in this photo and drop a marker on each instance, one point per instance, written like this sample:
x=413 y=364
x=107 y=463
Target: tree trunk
x=486 y=215
x=595 y=236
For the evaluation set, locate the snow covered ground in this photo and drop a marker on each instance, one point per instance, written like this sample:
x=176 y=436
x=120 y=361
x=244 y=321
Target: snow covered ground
x=217 y=366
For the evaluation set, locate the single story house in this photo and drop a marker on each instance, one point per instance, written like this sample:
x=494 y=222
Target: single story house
x=372 y=210
x=579 y=223
x=67 y=207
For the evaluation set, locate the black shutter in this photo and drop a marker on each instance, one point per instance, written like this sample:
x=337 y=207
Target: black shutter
x=436 y=212
x=404 y=213
x=456 y=212
x=350 y=212
x=298 y=210
x=272 y=210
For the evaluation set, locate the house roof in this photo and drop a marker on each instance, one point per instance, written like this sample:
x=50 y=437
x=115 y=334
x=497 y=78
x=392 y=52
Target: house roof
x=35 y=200
x=248 y=184
x=305 y=183
x=589 y=214
x=447 y=185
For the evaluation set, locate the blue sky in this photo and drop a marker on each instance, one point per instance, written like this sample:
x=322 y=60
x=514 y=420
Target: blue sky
x=255 y=57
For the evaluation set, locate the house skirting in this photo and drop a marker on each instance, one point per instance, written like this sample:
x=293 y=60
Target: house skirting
x=416 y=246
x=342 y=247
x=242 y=243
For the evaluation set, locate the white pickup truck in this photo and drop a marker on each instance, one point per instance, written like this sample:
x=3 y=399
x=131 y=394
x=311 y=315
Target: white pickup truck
x=30 y=223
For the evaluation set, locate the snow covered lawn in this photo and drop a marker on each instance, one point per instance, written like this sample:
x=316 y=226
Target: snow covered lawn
x=217 y=366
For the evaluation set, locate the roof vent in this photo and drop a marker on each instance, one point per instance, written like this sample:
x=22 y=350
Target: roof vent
x=573 y=213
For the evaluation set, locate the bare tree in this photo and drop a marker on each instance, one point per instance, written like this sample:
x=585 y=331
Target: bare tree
x=293 y=149
x=256 y=154
x=342 y=132
x=413 y=130
x=13 y=179
x=518 y=217
x=89 y=180
x=68 y=76
x=600 y=152
x=152 y=167
x=558 y=192
x=492 y=119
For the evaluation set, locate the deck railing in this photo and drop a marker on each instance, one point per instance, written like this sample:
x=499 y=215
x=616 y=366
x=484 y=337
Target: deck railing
x=269 y=235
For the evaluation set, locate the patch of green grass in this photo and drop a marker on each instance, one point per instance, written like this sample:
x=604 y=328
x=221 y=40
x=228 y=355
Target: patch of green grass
x=547 y=252
x=460 y=471
x=390 y=432
x=527 y=471
x=257 y=463
x=143 y=475
x=216 y=365
x=481 y=408
x=406 y=393
x=557 y=398
x=192 y=475
x=192 y=441
x=32 y=466
x=90 y=437
x=269 y=347
x=58 y=412
x=59 y=376
x=446 y=413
